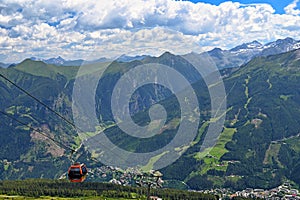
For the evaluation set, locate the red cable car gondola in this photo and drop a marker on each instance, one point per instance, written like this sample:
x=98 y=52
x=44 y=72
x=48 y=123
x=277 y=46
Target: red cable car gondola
x=77 y=172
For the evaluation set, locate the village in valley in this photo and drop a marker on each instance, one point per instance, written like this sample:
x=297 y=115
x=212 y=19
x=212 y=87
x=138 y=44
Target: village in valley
x=128 y=177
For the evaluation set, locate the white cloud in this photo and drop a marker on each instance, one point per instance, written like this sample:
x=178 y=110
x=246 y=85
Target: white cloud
x=74 y=29
x=291 y=9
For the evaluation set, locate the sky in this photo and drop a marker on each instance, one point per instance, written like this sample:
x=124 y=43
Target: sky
x=91 y=29
x=278 y=5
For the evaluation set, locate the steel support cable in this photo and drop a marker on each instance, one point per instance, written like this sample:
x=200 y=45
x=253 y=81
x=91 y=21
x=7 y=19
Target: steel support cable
x=37 y=130
x=39 y=101
x=58 y=114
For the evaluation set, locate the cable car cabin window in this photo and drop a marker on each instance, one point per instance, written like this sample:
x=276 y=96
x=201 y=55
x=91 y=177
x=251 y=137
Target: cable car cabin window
x=75 y=173
x=84 y=170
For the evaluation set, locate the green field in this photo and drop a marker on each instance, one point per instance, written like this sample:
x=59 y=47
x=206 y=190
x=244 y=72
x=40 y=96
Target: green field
x=212 y=160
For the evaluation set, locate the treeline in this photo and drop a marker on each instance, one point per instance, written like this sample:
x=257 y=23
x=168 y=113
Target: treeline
x=63 y=188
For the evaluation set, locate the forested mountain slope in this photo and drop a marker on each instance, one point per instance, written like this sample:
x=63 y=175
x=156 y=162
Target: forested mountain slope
x=258 y=147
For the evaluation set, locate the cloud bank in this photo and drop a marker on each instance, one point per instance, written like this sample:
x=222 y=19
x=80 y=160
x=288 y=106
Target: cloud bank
x=97 y=28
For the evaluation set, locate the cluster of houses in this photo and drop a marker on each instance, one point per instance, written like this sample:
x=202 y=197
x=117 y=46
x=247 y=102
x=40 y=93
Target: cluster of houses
x=284 y=191
x=115 y=175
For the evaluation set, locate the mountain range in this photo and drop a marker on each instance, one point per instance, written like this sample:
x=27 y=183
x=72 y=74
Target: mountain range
x=258 y=146
x=241 y=54
x=231 y=58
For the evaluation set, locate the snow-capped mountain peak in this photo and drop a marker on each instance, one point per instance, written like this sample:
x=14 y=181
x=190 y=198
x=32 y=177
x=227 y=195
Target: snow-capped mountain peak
x=55 y=61
x=247 y=46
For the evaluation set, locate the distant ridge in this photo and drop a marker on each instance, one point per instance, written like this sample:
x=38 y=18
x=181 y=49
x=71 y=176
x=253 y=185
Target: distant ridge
x=231 y=58
x=243 y=53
